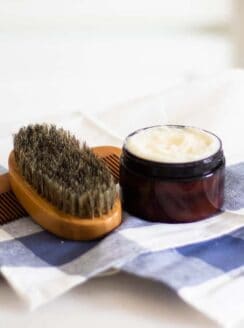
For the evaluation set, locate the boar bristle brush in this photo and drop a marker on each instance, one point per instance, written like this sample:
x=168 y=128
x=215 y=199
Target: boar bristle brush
x=63 y=185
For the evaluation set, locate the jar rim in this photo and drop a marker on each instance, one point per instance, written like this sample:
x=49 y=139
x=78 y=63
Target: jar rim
x=172 y=169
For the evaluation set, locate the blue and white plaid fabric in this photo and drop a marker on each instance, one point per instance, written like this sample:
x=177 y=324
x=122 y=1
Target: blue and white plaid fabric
x=203 y=262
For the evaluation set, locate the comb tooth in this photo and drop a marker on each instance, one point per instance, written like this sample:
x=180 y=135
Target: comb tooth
x=115 y=159
x=110 y=155
x=6 y=218
x=8 y=206
x=112 y=166
x=7 y=214
x=112 y=162
x=2 y=214
x=10 y=209
x=114 y=172
x=13 y=200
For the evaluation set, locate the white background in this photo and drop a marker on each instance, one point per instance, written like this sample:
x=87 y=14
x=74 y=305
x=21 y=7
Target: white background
x=63 y=55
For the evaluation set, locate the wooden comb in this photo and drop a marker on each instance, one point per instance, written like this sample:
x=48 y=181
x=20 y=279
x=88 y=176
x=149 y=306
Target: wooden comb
x=10 y=208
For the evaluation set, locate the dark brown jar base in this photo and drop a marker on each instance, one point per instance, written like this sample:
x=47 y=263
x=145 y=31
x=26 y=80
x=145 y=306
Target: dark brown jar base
x=172 y=200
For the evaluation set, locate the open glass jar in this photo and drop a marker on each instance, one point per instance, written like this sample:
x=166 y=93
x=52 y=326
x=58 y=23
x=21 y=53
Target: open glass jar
x=172 y=176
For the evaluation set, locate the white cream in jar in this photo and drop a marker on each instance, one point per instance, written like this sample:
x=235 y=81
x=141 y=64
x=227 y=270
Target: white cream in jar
x=172 y=144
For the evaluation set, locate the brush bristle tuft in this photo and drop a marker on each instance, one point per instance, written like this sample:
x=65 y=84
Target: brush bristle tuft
x=67 y=174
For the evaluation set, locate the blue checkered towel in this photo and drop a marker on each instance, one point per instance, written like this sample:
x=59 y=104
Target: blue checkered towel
x=202 y=262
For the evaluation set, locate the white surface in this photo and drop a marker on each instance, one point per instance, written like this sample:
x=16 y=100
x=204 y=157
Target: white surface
x=115 y=301
x=174 y=10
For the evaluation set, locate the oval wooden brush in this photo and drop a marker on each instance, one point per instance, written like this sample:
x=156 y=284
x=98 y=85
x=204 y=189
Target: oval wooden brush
x=50 y=174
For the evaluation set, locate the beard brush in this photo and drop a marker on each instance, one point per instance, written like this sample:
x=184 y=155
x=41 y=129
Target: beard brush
x=63 y=185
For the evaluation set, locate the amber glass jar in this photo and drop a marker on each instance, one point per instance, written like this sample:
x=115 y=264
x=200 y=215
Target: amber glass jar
x=172 y=192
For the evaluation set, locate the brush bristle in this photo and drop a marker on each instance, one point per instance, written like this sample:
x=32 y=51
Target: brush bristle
x=67 y=174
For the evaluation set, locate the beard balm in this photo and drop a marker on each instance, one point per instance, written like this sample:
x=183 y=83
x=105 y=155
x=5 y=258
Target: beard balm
x=172 y=173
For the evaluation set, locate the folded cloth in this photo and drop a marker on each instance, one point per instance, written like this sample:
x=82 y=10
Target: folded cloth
x=207 y=275
x=201 y=261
